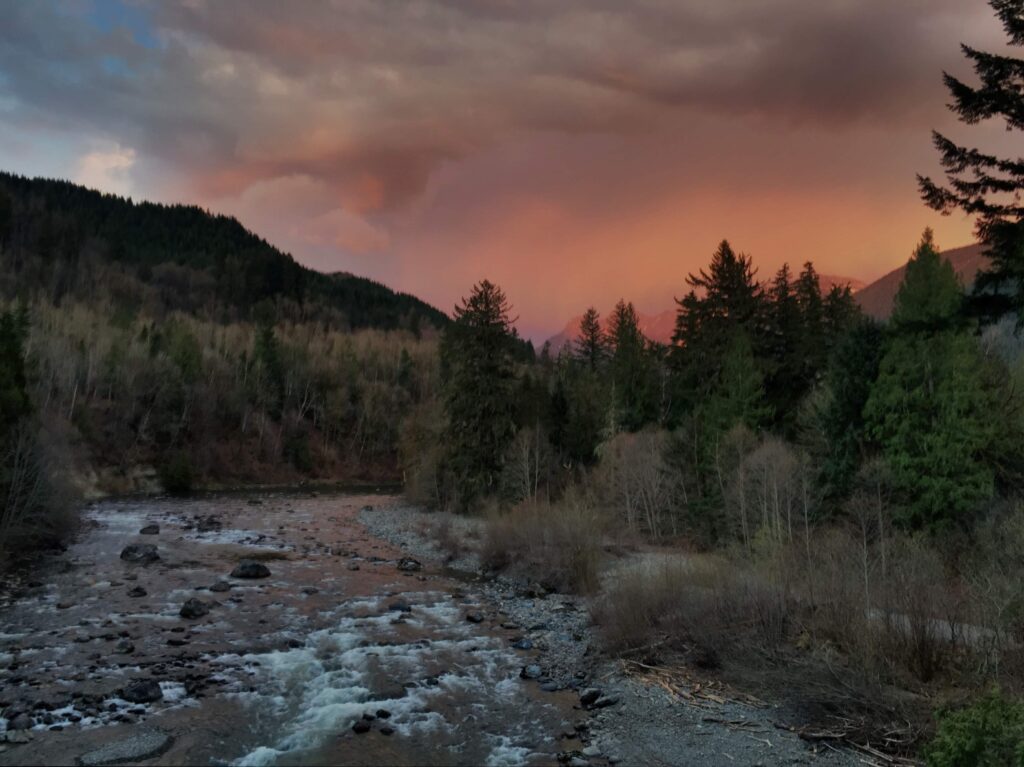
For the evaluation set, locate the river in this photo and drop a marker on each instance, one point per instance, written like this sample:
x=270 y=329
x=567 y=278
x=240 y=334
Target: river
x=280 y=669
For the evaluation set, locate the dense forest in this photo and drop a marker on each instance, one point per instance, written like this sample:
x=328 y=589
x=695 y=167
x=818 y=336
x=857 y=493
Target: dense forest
x=147 y=347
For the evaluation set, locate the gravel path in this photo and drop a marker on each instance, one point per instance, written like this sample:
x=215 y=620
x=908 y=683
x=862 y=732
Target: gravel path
x=631 y=723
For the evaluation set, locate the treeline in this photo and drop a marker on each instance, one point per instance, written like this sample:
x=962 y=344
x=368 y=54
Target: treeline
x=59 y=240
x=919 y=399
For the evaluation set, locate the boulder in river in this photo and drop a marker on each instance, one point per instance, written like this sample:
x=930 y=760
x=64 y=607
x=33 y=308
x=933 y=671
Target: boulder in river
x=475 y=617
x=400 y=606
x=153 y=529
x=361 y=727
x=194 y=608
x=143 y=691
x=140 y=553
x=409 y=565
x=221 y=586
x=136 y=591
x=533 y=671
x=248 y=568
x=20 y=722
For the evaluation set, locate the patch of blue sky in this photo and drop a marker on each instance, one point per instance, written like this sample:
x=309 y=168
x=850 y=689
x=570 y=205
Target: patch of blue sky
x=108 y=15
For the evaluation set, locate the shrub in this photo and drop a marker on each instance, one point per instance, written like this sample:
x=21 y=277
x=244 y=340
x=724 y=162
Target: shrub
x=988 y=733
x=556 y=544
x=176 y=473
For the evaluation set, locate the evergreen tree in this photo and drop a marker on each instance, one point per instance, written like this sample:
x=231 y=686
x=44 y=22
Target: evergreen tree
x=930 y=409
x=983 y=184
x=631 y=369
x=782 y=343
x=477 y=350
x=852 y=370
x=592 y=345
x=722 y=300
x=811 y=343
x=841 y=313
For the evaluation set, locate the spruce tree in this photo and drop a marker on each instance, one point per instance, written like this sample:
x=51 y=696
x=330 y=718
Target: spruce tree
x=782 y=345
x=592 y=346
x=721 y=301
x=477 y=351
x=631 y=369
x=982 y=184
x=931 y=408
x=811 y=343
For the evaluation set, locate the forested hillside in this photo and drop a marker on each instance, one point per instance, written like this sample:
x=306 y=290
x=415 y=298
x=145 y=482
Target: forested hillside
x=146 y=347
x=58 y=240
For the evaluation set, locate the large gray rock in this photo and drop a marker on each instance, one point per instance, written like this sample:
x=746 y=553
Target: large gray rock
x=140 y=553
x=144 y=743
x=144 y=691
x=247 y=568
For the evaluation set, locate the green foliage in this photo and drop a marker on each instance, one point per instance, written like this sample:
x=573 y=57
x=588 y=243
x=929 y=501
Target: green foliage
x=631 y=370
x=176 y=473
x=852 y=371
x=931 y=408
x=988 y=733
x=982 y=184
x=479 y=383
x=737 y=398
x=930 y=296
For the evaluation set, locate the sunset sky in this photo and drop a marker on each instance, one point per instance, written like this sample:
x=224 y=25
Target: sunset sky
x=572 y=151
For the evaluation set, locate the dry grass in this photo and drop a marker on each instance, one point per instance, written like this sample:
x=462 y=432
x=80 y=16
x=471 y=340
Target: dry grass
x=556 y=544
x=850 y=639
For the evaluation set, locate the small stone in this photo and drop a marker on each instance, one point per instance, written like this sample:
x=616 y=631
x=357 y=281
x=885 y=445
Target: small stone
x=523 y=644
x=124 y=647
x=247 y=568
x=400 y=605
x=605 y=701
x=409 y=565
x=137 y=591
x=152 y=529
x=589 y=695
x=591 y=751
x=310 y=591
x=353 y=566
x=194 y=609
x=532 y=671
x=221 y=586
x=65 y=605
x=361 y=727
x=383 y=713
x=386 y=730
x=474 y=617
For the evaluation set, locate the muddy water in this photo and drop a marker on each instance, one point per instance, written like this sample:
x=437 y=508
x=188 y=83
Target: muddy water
x=281 y=668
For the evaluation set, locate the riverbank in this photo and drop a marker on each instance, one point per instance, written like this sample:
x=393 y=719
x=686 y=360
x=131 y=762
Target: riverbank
x=647 y=720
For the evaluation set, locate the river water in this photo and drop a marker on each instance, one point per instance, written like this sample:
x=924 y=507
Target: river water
x=281 y=668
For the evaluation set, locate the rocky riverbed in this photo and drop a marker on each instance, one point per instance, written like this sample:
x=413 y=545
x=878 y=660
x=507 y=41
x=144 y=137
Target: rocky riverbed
x=303 y=629
x=632 y=722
